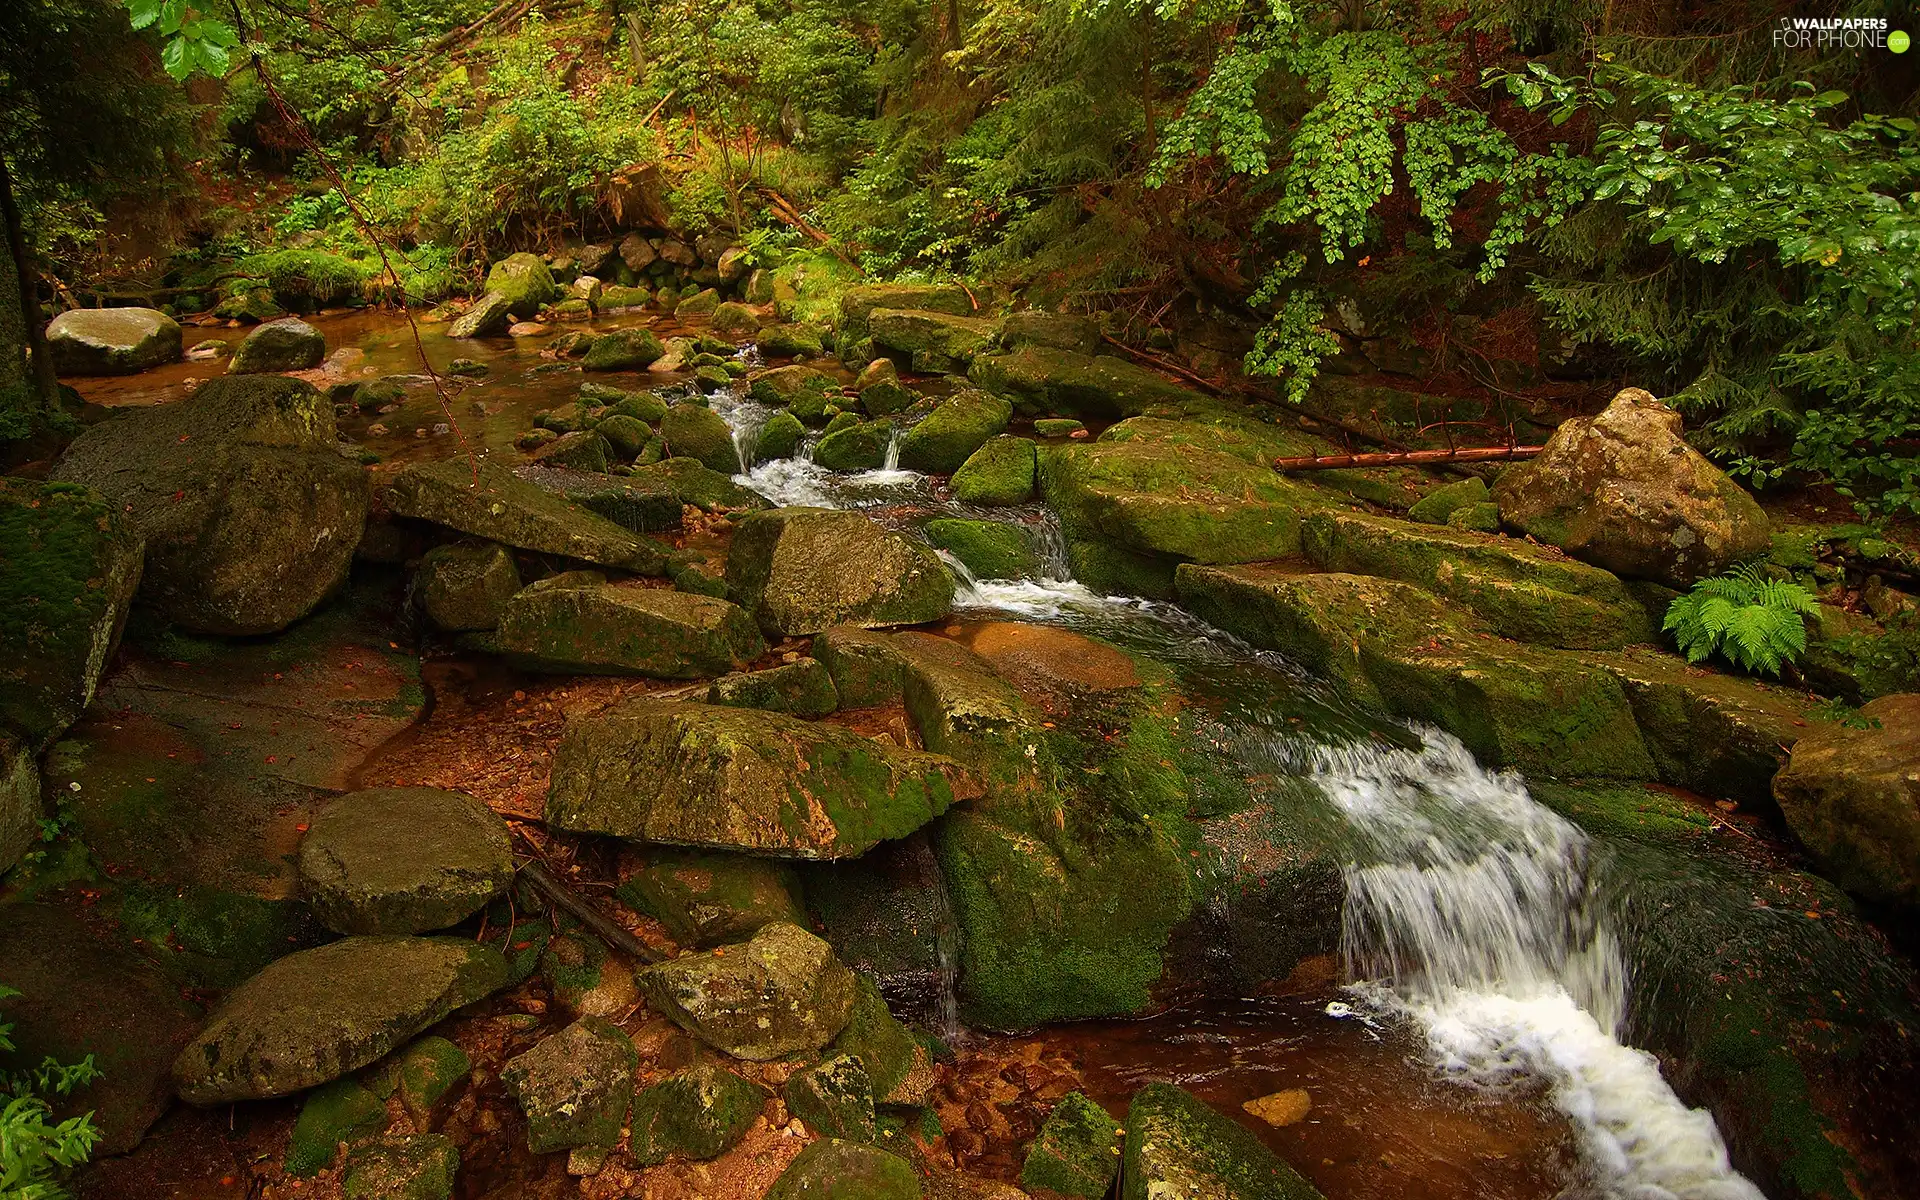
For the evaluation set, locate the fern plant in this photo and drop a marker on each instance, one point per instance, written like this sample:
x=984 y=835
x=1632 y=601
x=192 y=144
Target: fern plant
x=1748 y=619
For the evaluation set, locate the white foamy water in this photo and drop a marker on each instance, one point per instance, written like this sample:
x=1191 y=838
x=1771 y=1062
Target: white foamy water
x=1472 y=910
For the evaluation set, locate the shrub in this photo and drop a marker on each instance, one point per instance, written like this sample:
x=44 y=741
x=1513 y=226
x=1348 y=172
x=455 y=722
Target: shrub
x=34 y=1149
x=1748 y=619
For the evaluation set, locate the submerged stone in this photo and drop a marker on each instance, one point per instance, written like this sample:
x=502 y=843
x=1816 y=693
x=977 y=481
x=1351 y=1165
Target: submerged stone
x=781 y=992
x=314 y=1016
x=698 y=775
x=1178 y=1146
x=803 y=570
x=403 y=860
x=610 y=629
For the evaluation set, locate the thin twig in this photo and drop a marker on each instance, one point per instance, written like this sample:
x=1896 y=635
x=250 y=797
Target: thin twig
x=596 y=922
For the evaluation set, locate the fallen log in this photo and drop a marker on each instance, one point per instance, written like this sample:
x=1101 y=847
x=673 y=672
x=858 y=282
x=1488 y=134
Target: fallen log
x=1405 y=458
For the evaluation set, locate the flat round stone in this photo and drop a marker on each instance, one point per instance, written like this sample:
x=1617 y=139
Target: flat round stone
x=403 y=860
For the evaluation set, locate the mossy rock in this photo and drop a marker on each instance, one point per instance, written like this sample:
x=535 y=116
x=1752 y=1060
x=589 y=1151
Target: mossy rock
x=933 y=342
x=1176 y=1145
x=615 y=296
x=623 y=350
x=1000 y=472
x=575 y=1087
x=627 y=435
x=524 y=281
x=887 y=397
x=691 y=431
x=1479 y=518
x=288 y=344
x=804 y=570
x=782 y=385
x=989 y=549
x=711 y=378
x=779 y=438
x=69 y=565
x=834 y=1098
x=582 y=451
x=706 y=898
x=800 y=689
x=697 y=1114
x=418 y=1166
x=1049 y=380
x=423 y=1074
x=403 y=860
x=1438 y=505
x=1077 y=1152
x=838 y=422
x=780 y=993
x=702 y=775
x=896 y=1067
x=856 y=446
x=633 y=506
x=858 y=303
x=514 y=512
x=1061 y=331
x=691 y=482
x=831 y=1169
x=700 y=302
x=949 y=435
x=609 y=629
x=335 y=1113
x=644 y=407
x=699 y=581
x=789 y=341
x=118 y=341
x=1058 y=427
x=462 y=586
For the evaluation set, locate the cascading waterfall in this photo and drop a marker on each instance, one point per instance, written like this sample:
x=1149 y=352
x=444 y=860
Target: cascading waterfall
x=1477 y=913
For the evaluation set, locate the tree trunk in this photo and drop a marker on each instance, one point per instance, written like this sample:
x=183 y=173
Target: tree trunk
x=28 y=390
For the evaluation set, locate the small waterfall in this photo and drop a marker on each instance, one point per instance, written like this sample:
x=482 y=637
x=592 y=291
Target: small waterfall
x=1050 y=546
x=1478 y=913
x=894 y=434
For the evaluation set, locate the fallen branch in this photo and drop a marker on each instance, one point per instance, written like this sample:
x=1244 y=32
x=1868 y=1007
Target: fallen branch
x=596 y=922
x=784 y=209
x=1405 y=458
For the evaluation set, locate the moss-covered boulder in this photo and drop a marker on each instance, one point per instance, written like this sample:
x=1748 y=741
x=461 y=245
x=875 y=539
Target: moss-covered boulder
x=1000 y=472
x=782 y=385
x=330 y=1116
x=1439 y=505
x=933 y=342
x=834 y=1098
x=831 y=1169
x=897 y=1067
x=691 y=482
x=1852 y=797
x=706 y=898
x=524 y=281
x=465 y=586
x=692 y=431
x=703 y=303
x=779 y=438
x=623 y=350
x=1178 y=1146
x=858 y=303
x=781 y=992
x=699 y=775
x=1077 y=1152
x=288 y=344
x=1057 y=427
x=583 y=450
x=856 y=446
x=887 y=397
x=636 y=507
x=575 y=1087
x=112 y=341
x=1060 y=331
x=249 y=512
x=804 y=570
x=989 y=549
x=733 y=319
x=496 y=504
x=1625 y=491
x=403 y=860
x=69 y=565
x=610 y=629
x=950 y=434
x=418 y=1166
x=627 y=435
x=697 y=1114
x=315 y=1015
x=1483 y=517
x=489 y=315
x=1526 y=592
x=1048 y=380
x=789 y=341
x=801 y=689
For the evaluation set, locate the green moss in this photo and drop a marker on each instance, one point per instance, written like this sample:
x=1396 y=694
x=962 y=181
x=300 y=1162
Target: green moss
x=834 y=1099
x=705 y=898
x=855 y=445
x=944 y=440
x=1438 y=505
x=697 y=1114
x=831 y=1169
x=802 y=689
x=304 y=280
x=1000 y=472
x=1077 y=1152
x=1176 y=1145
x=779 y=438
x=333 y=1113
x=885 y=1048
x=623 y=350
x=990 y=549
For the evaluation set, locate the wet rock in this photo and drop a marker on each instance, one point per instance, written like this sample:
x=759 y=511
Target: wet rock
x=933 y=342
x=897 y=1069
x=779 y=438
x=789 y=341
x=524 y=281
x=1281 y=1109
x=858 y=303
x=488 y=315
x=692 y=482
x=610 y=629
x=1059 y=331
x=800 y=689
x=403 y=860
x=1045 y=379
x=575 y=1086
x=831 y=1169
x=781 y=385
x=315 y=1015
x=779 y=993
x=953 y=432
x=707 y=899
x=989 y=549
x=1077 y=1152
x=509 y=510
x=628 y=435
x=733 y=319
x=1000 y=472
x=887 y=916
x=69 y=564
x=887 y=397
x=1177 y=1146
x=584 y=450
x=1438 y=505
x=1525 y=592
x=112 y=341
x=698 y=1114
x=698 y=775
x=700 y=434
x=1624 y=491
x=804 y=570
x=1852 y=797
x=698 y=580
x=859 y=446
x=623 y=350
x=466 y=586
x=632 y=506
x=249 y=513
x=414 y=1167
x=467 y=368
x=834 y=1098
x=288 y=344
x=1053 y=661
x=958 y=705
x=331 y=1115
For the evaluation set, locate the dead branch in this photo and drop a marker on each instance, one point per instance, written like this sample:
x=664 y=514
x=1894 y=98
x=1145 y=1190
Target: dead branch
x=1405 y=458
x=596 y=922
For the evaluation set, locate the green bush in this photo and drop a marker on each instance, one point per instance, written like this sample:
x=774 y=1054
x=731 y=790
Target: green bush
x=35 y=1150
x=1748 y=619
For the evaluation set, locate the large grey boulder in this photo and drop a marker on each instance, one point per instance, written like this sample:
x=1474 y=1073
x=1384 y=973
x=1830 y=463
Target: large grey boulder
x=1624 y=491
x=249 y=511
x=112 y=341
x=805 y=570
x=314 y=1016
x=599 y=628
x=403 y=860
x=490 y=501
x=1852 y=797
x=289 y=344
x=740 y=779
x=781 y=992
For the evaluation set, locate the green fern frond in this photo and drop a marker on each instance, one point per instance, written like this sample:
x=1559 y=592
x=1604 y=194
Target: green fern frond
x=1750 y=620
